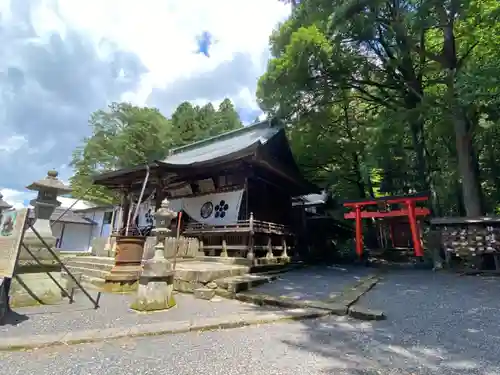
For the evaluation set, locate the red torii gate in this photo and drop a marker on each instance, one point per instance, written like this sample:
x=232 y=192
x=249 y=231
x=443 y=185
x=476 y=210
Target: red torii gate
x=411 y=211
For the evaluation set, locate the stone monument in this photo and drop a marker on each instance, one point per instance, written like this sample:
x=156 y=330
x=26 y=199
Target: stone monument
x=156 y=284
x=32 y=284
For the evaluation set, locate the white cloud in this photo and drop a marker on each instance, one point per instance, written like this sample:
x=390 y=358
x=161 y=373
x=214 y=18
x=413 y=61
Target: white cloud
x=163 y=34
x=17 y=198
x=8 y=145
x=61 y=60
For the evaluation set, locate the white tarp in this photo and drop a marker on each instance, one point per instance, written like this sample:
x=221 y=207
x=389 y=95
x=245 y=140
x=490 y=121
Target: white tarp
x=214 y=209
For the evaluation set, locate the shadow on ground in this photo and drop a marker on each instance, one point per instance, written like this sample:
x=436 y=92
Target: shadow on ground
x=314 y=282
x=437 y=323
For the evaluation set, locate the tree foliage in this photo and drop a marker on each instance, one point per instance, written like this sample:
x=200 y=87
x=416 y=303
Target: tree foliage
x=392 y=96
x=125 y=135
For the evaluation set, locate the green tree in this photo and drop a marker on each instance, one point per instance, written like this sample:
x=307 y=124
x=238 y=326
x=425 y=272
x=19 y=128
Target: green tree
x=122 y=136
x=416 y=71
x=227 y=118
x=185 y=123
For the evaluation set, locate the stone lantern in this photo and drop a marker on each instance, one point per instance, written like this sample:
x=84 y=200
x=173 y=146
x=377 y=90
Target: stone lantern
x=33 y=284
x=156 y=284
x=44 y=205
x=3 y=205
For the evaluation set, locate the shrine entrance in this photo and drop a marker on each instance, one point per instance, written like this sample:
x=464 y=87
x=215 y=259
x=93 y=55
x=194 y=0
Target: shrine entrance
x=399 y=216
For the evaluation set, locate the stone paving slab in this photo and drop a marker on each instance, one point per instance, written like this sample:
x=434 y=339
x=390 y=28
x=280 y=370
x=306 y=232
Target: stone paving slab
x=114 y=313
x=314 y=283
x=159 y=328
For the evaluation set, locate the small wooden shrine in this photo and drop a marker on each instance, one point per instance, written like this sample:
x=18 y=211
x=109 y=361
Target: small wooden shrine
x=234 y=190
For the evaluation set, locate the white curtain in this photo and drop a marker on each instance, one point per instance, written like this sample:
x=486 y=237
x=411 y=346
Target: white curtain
x=214 y=209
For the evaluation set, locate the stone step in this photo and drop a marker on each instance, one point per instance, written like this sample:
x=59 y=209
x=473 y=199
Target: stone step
x=260 y=268
x=90 y=265
x=90 y=283
x=93 y=272
x=236 y=284
x=105 y=261
x=204 y=293
x=237 y=261
x=274 y=269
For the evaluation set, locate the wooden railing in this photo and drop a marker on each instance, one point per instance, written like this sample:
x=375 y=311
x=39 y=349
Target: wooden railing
x=242 y=226
x=246 y=238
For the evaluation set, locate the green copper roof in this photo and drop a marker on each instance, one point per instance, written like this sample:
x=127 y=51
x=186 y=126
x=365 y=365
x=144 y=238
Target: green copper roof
x=224 y=144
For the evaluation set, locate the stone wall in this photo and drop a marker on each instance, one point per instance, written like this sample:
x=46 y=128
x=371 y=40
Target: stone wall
x=188 y=247
x=99 y=247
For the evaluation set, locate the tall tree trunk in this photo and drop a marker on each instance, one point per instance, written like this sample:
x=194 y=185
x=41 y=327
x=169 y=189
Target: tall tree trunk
x=471 y=190
x=413 y=101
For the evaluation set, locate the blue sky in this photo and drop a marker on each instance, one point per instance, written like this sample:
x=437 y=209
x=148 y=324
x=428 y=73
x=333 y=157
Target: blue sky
x=61 y=60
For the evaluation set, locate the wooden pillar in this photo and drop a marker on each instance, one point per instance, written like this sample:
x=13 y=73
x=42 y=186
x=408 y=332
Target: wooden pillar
x=159 y=194
x=125 y=204
x=391 y=233
x=359 y=232
x=246 y=198
x=415 y=232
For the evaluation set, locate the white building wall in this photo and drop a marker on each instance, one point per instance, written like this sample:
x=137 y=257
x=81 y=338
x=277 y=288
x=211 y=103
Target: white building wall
x=76 y=237
x=57 y=231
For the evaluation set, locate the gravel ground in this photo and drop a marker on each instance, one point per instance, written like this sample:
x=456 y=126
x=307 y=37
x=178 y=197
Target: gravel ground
x=437 y=316
x=314 y=283
x=114 y=312
x=437 y=323
x=333 y=345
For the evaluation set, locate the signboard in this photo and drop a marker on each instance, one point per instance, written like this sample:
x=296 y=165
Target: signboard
x=12 y=225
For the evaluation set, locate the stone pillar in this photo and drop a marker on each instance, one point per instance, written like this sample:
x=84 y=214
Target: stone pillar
x=284 y=255
x=269 y=254
x=251 y=252
x=4 y=283
x=32 y=285
x=156 y=284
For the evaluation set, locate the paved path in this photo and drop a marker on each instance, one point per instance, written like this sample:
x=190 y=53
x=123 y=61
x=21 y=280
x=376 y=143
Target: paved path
x=114 y=312
x=332 y=345
x=314 y=283
x=437 y=323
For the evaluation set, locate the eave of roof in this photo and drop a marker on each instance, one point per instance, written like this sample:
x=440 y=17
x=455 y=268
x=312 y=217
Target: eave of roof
x=69 y=217
x=248 y=143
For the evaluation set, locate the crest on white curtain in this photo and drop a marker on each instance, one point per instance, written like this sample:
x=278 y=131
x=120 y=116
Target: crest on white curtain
x=214 y=209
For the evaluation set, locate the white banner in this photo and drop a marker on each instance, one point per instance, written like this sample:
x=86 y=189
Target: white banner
x=214 y=209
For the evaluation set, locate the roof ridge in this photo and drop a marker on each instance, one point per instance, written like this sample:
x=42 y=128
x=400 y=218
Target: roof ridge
x=263 y=124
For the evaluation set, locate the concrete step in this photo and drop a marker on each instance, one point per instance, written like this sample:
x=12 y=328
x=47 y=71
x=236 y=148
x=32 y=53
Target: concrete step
x=236 y=284
x=93 y=272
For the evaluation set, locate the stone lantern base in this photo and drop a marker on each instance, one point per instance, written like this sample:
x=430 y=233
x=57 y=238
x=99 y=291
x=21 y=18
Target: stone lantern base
x=32 y=285
x=156 y=285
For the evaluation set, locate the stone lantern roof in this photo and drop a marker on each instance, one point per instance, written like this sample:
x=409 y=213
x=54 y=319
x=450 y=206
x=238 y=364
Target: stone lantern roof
x=50 y=182
x=3 y=204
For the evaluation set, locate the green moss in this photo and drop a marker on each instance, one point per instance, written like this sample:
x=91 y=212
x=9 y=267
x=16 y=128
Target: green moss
x=143 y=306
x=120 y=287
x=26 y=300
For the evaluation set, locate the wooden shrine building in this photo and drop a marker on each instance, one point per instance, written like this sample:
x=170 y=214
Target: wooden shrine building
x=235 y=190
